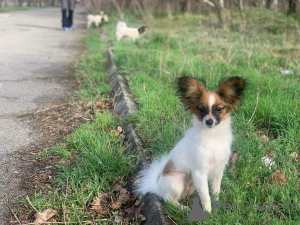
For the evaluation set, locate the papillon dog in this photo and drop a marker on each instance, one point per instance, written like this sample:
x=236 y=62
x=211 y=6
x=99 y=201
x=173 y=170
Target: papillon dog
x=96 y=19
x=132 y=33
x=201 y=156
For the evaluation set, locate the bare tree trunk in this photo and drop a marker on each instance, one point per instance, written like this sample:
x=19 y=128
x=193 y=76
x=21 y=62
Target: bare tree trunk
x=221 y=3
x=292 y=6
x=297 y=8
x=274 y=5
x=184 y=6
x=210 y=3
x=241 y=9
x=220 y=14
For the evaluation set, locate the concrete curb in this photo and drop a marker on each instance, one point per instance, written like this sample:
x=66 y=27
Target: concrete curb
x=124 y=107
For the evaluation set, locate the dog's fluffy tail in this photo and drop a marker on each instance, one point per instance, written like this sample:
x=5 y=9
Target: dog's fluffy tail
x=148 y=178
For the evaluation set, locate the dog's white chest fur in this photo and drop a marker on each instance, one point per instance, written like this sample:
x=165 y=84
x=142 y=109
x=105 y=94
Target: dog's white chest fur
x=203 y=149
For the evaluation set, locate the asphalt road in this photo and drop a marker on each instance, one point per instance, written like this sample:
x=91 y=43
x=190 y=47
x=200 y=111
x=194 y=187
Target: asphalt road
x=33 y=51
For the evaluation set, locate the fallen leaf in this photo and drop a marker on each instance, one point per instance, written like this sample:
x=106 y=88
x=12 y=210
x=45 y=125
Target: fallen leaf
x=60 y=119
x=296 y=156
x=233 y=159
x=89 y=105
x=277 y=177
x=44 y=216
x=117 y=204
x=270 y=153
x=265 y=138
x=120 y=129
x=117 y=187
x=107 y=103
x=118 y=219
x=44 y=176
x=100 y=203
x=124 y=195
x=77 y=115
x=98 y=105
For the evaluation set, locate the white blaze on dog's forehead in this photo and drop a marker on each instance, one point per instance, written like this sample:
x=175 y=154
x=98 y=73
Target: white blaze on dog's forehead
x=211 y=100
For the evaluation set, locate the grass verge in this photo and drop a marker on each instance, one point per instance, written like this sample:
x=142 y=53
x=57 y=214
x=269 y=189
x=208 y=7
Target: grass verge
x=260 y=49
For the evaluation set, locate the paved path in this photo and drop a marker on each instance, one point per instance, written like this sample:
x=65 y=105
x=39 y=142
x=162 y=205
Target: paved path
x=33 y=50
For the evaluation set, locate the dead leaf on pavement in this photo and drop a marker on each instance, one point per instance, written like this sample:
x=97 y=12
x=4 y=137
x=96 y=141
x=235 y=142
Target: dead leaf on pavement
x=44 y=216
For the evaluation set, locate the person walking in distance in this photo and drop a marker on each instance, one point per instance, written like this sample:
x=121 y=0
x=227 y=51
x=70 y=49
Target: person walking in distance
x=67 y=7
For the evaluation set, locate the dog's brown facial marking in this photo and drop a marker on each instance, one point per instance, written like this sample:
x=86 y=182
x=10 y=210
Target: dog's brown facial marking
x=212 y=109
x=231 y=91
x=192 y=91
x=169 y=169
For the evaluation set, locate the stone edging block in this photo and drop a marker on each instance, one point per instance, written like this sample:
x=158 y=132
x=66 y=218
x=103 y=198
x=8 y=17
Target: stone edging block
x=124 y=107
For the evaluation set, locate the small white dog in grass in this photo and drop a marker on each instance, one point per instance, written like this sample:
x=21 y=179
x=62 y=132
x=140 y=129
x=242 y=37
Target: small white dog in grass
x=96 y=19
x=201 y=156
x=122 y=31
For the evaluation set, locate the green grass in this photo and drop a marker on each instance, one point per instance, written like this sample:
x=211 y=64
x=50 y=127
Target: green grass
x=189 y=45
x=93 y=157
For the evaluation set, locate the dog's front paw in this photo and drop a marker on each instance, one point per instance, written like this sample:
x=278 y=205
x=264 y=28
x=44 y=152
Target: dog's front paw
x=207 y=208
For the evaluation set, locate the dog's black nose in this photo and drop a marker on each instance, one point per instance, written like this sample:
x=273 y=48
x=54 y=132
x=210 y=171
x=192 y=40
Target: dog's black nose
x=209 y=122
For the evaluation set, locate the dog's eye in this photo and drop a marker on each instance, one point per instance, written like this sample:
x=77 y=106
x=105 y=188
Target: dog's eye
x=218 y=109
x=202 y=109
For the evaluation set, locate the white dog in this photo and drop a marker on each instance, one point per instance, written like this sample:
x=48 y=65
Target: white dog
x=201 y=156
x=96 y=19
x=132 y=33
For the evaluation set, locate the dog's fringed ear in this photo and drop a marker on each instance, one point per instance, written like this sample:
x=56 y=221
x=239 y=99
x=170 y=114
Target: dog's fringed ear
x=191 y=91
x=142 y=30
x=231 y=91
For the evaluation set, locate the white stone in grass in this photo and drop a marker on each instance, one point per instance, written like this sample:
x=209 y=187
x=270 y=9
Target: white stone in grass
x=268 y=161
x=286 y=72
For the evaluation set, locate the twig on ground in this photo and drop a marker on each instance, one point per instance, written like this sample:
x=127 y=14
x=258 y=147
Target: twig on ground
x=65 y=200
x=172 y=219
x=257 y=96
x=76 y=214
x=12 y=212
x=37 y=146
x=49 y=108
